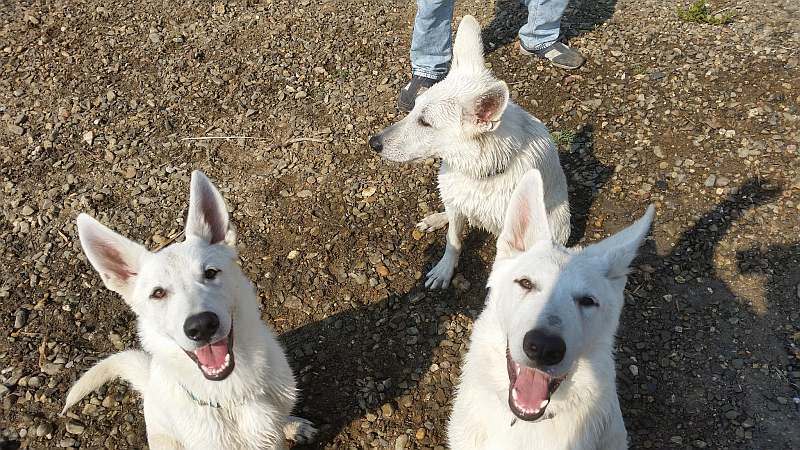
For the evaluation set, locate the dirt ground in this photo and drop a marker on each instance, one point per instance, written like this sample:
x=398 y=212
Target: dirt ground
x=701 y=120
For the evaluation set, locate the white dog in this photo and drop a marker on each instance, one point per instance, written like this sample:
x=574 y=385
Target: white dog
x=212 y=375
x=486 y=143
x=539 y=373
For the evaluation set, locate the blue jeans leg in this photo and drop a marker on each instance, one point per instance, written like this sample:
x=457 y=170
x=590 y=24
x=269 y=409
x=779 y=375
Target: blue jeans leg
x=544 y=23
x=431 y=42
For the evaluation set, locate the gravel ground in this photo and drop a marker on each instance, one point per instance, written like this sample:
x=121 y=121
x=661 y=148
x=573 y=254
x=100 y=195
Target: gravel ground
x=701 y=120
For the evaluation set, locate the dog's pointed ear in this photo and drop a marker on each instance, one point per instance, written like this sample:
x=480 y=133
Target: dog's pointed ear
x=617 y=251
x=526 y=217
x=115 y=257
x=485 y=109
x=468 y=47
x=208 y=216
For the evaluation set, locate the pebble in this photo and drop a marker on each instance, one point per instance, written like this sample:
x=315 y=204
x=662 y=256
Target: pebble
x=420 y=434
x=67 y=442
x=401 y=442
x=52 y=368
x=20 y=318
x=74 y=427
x=387 y=409
x=16 y=129
x=43 y=429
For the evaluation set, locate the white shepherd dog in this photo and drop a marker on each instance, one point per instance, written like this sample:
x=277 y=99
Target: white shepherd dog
x=212 y=375
x=539 y=373
x=486 y=143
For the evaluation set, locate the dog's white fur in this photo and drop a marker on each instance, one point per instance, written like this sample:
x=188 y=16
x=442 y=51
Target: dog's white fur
x=584 y=411
x=486 y=143
x=255 y=400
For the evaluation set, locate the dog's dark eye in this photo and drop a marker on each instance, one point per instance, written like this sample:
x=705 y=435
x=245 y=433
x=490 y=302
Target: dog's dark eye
x=526 y=284
x=586 y=301
x=210 y=273
x=158 y=293
x=423 y=122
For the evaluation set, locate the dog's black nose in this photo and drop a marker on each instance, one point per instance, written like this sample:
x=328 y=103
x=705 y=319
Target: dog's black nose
x=544 y=349
x=201 y=327
x=376 y=142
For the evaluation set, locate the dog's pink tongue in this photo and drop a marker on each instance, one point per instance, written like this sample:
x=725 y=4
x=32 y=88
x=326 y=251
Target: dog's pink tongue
x=213 y=355
x=530 y=389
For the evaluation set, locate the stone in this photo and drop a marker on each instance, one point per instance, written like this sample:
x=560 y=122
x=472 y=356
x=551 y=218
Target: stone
x=74 y=427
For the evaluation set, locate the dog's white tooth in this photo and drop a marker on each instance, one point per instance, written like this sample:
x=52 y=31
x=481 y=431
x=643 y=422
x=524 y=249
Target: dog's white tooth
x=514 y=394
x=227 y=358
x=544 y=403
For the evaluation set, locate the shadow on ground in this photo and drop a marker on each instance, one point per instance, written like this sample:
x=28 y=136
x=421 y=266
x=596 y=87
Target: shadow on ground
x=355 y=361
x=678 y=318
x=586 y=175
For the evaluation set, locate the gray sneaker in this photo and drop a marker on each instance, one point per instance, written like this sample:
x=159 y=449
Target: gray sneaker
x=558 y=54
x=410 y=92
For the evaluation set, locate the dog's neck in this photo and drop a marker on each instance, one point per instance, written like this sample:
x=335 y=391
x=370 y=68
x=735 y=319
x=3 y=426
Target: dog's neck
x=518 y=133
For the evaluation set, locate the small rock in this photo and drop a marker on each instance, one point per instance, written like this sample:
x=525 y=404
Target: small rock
x=52 y=368
x=130 y=172
x=20 y=318
x=305 y=193
x=27 y=210
x=67 y=442
x=43 y=429
x=634 y=370
x=293 y=254
x=382 y=270
x=401 y=442
x=88 y=137
x=710 y=181
x=420 y=435
x=16 y=129
x=461 y=283
x=722 y=181
x=387 y=409
x=369 y=192
x=74 y=427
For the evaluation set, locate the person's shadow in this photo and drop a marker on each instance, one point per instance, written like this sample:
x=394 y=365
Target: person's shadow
x=686 y=337
x=581 y=16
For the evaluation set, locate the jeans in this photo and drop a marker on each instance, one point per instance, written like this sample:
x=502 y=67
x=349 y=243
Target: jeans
x=432 y=43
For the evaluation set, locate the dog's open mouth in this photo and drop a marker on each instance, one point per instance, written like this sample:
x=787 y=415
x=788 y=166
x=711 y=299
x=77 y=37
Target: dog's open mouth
x=529 y=390
x=215 y=360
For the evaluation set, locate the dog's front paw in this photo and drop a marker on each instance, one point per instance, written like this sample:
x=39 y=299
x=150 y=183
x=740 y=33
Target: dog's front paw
x=439 y=277
x=432 y=222
x=299 y=430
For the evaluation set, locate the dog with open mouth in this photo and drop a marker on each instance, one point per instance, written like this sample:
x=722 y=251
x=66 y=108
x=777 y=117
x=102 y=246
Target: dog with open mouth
x=212 y=375
x=539 y=372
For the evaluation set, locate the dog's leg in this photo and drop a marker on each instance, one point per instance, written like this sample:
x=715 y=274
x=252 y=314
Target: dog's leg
x=299 y=430
x=433 y=222
x=439 y=277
